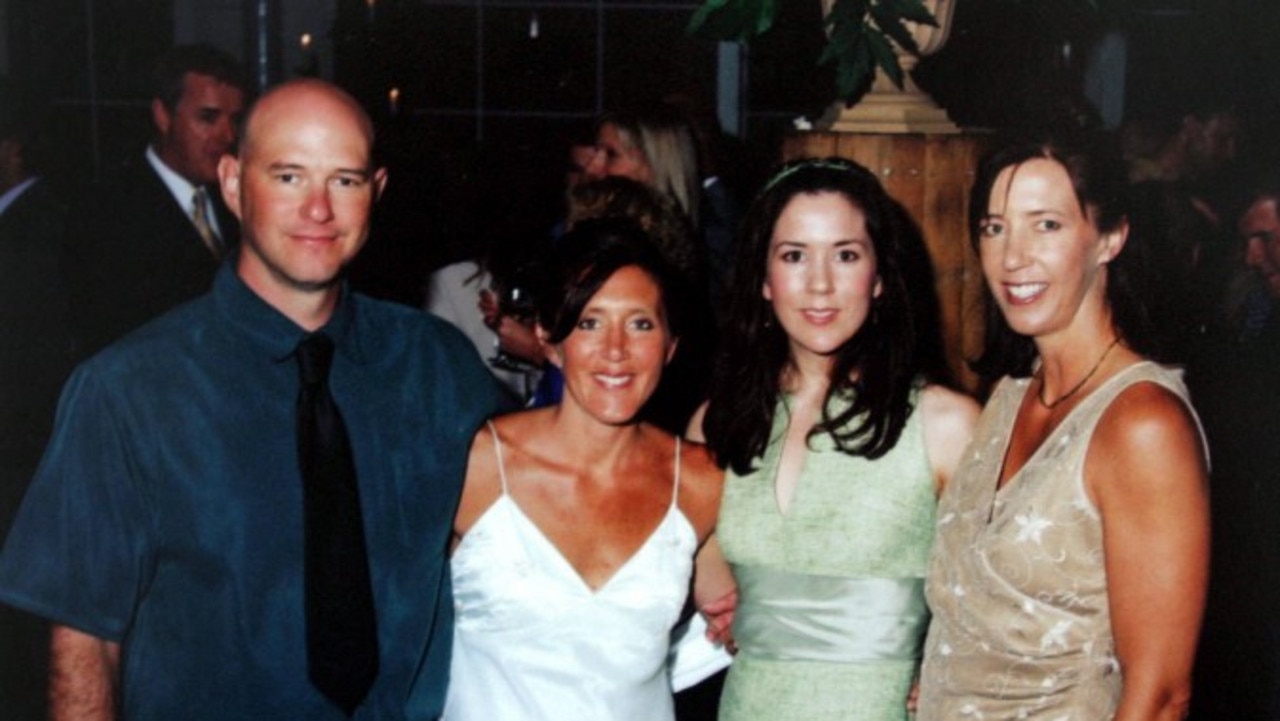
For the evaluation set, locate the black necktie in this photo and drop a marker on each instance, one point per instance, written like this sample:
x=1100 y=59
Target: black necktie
x=342 y=632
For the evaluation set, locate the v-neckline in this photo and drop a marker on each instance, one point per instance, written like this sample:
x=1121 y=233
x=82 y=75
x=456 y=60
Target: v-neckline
x=564 y=561
x=672 y=506
x=1001 y=489
x=806 y=452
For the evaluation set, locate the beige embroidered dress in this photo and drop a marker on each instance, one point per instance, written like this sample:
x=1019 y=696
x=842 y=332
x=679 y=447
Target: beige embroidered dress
x=1021 y=628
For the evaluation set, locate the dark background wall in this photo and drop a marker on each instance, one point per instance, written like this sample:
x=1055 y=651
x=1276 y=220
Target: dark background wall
x=490 y=91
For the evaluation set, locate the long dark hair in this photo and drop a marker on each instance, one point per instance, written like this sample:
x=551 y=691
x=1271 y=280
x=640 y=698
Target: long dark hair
x=1096 y=168
x=886 y=354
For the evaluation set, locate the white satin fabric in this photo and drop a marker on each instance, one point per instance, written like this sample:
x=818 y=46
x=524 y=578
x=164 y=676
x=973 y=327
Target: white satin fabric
x=533 y=642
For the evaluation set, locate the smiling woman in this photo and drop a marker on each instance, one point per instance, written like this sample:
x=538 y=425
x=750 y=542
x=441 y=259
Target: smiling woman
x=1068 y=577
x=838 y=440
x=576 y=536
x=617 y=348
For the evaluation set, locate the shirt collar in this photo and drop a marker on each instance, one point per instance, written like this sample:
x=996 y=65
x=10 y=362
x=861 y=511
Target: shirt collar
x=270 y=329
x=179 y=187
x=182 y=190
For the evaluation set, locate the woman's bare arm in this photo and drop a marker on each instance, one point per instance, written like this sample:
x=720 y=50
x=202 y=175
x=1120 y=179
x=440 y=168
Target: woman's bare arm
x=1147 y=474
x=715 y=593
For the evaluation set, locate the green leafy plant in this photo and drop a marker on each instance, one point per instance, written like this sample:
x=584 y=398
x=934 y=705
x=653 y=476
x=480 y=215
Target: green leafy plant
x=861 y=34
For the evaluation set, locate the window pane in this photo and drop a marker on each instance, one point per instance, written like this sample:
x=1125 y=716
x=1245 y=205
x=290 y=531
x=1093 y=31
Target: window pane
x=648 y=55
x=540 y=59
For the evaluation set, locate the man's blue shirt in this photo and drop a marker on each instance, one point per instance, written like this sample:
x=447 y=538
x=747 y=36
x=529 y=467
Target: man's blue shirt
x=167 y=512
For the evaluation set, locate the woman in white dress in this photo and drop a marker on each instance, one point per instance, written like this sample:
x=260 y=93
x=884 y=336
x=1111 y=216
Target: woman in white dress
x=578 y=526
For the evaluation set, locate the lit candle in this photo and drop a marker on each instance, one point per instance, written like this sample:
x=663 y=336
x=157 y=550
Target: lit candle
x=370 y=3
x=393 y=101
x=309 y=66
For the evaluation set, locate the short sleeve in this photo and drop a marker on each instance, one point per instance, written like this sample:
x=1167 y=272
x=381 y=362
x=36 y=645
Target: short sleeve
x=77 y=551
x=468 y=393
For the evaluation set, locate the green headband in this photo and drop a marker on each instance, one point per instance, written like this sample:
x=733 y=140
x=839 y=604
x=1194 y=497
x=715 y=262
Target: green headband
x=840 y=164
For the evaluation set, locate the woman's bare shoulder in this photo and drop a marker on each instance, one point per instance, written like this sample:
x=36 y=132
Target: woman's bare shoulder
x=941 y=404
x=949 y=418
x=481 y=485
x=699 y=465
x=505 y=437
x=701 y=484
x=1149 y=427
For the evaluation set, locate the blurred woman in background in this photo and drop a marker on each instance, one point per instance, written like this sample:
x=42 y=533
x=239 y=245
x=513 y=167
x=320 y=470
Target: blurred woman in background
x=655 y=147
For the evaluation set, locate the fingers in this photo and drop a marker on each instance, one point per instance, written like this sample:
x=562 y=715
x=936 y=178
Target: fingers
x=518 y=339
x=488 y=305
x=719 y=615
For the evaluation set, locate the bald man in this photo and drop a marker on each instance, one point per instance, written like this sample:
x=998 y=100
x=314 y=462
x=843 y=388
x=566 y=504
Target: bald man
x=164 y=533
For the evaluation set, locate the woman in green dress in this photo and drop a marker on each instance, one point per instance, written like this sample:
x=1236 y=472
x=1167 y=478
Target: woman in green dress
x=838 y=439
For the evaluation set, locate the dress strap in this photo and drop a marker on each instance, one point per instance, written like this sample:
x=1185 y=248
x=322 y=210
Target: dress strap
x=497 y=452
x=675 y=486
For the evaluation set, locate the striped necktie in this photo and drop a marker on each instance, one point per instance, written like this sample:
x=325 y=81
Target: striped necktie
x=200 y=217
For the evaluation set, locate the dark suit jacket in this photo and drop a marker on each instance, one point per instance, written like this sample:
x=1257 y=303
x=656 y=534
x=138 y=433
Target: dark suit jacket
x=133 y=254
x=35 y=335
x=35 y=359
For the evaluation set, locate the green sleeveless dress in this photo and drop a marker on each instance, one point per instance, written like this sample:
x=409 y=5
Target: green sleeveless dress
x=831 y=612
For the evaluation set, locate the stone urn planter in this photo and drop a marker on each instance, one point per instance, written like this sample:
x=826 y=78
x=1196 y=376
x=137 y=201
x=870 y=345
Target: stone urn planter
x=887 y=108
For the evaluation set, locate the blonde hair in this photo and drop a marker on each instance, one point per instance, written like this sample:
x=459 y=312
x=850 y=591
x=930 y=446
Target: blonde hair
x=665 y=139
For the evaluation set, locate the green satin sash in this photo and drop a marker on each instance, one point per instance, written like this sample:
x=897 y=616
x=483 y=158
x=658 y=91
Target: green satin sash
x=788 y=616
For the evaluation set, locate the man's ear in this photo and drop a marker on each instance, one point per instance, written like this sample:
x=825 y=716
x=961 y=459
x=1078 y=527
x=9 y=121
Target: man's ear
x=549 y=349
x=160 y=116
x=229 y=183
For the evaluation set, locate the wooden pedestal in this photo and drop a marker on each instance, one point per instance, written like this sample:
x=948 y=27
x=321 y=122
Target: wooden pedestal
x=931 y=175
